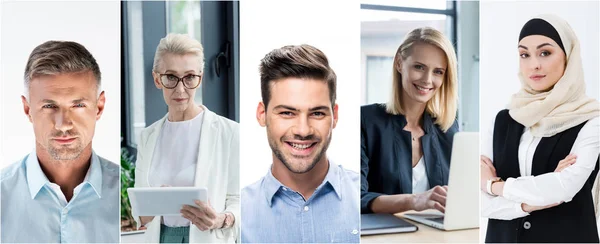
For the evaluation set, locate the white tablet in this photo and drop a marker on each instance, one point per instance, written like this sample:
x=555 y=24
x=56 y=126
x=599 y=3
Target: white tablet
x=155 y=201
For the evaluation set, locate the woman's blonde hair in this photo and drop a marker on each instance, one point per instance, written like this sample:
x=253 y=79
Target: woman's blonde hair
x=444 y=103
x=178 y=44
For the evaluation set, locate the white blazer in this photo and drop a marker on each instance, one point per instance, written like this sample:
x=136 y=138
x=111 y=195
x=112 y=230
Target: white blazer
x=217 y=170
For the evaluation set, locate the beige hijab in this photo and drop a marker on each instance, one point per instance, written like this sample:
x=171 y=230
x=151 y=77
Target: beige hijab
x=566 y=105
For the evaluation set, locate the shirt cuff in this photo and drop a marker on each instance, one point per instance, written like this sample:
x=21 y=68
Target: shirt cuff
x=506 y=191
x=519 y=210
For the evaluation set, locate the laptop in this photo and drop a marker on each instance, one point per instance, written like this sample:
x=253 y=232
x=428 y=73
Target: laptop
x=372 y=224
x=462 y=201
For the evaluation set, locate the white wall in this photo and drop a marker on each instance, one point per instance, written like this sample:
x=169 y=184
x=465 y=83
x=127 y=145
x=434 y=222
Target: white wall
x=95 y=25
x=500 y=25
x=328 y=25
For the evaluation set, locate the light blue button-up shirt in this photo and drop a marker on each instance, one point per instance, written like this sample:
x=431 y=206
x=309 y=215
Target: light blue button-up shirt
x=272 y=212
x=33 y=212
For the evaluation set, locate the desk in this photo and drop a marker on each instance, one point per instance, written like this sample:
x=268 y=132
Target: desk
x=425 y=234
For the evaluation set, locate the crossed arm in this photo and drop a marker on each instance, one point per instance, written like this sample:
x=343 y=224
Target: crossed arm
x=517 y=197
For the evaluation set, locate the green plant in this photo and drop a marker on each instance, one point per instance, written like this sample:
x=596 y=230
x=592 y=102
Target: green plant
x=127 y=181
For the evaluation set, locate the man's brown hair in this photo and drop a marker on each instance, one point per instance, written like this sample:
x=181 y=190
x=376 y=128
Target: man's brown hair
x=301 y=61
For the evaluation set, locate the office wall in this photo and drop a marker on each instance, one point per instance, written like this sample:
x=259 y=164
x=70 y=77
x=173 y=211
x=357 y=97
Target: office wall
x=25 y=25
x=266 y=25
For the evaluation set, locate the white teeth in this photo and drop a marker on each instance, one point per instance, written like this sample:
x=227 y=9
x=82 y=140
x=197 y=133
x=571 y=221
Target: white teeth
x=300 y=146
x=422 y=88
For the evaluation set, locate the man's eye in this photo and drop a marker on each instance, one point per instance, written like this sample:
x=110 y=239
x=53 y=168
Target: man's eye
x=49 y=106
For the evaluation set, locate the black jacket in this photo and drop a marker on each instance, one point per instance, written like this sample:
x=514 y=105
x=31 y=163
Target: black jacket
x=570 y=222
x=386 y=154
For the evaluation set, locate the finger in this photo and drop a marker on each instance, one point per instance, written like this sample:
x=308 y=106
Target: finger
x=439 y=207
x=491 y=165
x=194 y=210
x=438 y=198
x=188 y=215
x=207 y=209
x=205 y=222
x=200 y=225
x=487 y=160
x=440 y=190
x=484 y=158
x=199 y=216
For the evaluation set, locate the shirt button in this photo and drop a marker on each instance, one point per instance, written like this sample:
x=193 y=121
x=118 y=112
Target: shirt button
x=527 y=225
x=65 y=211
x=354 y=232
x=305 y=208
x=285 y=188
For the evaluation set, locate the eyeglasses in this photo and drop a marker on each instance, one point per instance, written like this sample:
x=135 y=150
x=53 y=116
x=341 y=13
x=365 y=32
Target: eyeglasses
x=171 y=81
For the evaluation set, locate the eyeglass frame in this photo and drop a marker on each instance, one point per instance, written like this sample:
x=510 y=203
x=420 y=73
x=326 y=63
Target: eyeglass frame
x=179 y=79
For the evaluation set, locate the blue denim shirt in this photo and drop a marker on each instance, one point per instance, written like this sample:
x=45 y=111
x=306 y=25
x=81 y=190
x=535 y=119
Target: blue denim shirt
x=272 y=212
x=33 y=212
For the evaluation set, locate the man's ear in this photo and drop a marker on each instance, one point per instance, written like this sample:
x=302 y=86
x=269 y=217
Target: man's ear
x=335 y=115
x=261 y=114
x=26 y=108
x=100 y=105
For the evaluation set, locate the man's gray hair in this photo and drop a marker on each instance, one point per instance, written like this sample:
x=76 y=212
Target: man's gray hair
x=59 y=57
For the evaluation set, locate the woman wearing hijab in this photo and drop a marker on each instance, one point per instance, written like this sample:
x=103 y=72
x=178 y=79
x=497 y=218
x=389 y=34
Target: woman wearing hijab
x=406 y=143
x=541 y=160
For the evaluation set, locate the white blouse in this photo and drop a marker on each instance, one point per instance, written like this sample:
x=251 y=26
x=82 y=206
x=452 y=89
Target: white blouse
x=543 y=189
x=175 y=157
x=420 y=182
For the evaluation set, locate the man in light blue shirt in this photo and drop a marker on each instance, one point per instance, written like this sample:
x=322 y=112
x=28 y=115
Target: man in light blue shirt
x=62 y=191
x=304 y=198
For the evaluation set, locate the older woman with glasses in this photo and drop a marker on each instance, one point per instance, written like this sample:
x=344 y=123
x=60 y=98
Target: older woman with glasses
x=189 y=146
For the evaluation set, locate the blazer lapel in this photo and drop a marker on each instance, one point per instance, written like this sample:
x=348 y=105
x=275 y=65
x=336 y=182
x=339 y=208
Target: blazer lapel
x=206 y=156
x=151 y=144
x=401 y=142
x=435 y=176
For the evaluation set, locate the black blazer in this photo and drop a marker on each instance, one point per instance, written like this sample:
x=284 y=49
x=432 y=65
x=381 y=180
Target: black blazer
x=386 y=154
x=570 y=222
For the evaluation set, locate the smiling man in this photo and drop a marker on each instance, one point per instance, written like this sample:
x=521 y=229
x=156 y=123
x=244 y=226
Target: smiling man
x=304 y=197
x=62 y=191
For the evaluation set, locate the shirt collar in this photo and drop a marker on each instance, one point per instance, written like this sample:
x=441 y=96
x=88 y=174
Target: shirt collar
x=36 y=179
x=271 y=185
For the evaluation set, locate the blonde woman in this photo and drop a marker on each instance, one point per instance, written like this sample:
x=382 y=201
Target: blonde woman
x=406 y=143
x=190 y=146
x=541 y=156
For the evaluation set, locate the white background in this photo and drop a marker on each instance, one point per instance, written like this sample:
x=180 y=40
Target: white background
x=331 y=26
x=25 y=25
x=500 y=25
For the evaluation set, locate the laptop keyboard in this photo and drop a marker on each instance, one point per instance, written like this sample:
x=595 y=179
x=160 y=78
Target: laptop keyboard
x=437 y=220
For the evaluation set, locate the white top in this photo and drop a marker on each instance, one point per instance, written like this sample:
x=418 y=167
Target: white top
x=547 y=188
x=420 y=182
x=175 y=157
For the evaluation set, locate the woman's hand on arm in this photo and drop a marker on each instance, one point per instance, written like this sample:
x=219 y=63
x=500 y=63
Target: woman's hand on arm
x=434 y=198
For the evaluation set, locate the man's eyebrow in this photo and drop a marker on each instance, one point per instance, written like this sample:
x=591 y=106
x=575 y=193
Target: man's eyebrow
x=79 y=100
x=285 y=107
x=48 y=101
x=319 y=108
